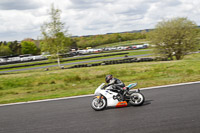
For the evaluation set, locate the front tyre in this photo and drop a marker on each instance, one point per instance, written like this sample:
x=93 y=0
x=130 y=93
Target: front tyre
x=96 y=105
x=136 y=99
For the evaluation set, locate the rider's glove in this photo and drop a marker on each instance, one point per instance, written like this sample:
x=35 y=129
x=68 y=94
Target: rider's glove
x=110 y=84
x=105 y=86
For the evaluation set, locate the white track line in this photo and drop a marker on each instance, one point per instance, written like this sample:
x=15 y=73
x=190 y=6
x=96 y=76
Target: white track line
x=64 y=98
x=163 y=86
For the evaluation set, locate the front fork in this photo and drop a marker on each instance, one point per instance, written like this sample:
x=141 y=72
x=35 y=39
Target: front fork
x=100 y=97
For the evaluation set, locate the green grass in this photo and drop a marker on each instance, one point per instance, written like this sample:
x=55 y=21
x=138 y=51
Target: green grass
x=35 y=84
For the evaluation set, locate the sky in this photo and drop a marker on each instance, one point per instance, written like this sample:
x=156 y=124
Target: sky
x=20 y=19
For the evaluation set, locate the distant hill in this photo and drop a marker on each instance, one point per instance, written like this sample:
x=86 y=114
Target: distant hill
x=133 y=31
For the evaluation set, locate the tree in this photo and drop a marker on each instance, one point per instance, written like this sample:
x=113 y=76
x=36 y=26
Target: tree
x=29 y=47
x=4 y=50
x=54 y=38
x=174 y=37
x=15 y=47
x=73 y=44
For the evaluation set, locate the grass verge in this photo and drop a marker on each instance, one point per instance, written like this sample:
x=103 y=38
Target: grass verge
x=36 y=85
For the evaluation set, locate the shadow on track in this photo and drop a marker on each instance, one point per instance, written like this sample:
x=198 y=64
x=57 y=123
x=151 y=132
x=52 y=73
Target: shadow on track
x=146 y=102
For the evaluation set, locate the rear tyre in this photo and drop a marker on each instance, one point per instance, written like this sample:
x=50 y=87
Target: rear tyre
x=96 y=105
x=136 y=99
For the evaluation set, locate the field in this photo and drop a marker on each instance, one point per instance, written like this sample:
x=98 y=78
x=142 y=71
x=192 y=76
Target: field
x=37 y=84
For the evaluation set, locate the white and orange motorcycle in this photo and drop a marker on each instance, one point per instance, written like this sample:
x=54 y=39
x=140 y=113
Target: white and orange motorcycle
x=106 y=97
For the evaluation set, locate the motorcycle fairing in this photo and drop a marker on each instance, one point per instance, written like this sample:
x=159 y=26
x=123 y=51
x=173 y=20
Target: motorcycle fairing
x=109 y=96
x=113 y=102
x=122 y=104
x=131 y=85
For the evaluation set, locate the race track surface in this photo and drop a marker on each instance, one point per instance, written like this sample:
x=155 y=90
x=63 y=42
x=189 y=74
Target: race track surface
x=166 y=110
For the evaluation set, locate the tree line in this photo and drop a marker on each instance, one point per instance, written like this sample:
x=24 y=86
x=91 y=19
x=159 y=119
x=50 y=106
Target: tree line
x=97 y=40
x=27 y=46
x=30 y=46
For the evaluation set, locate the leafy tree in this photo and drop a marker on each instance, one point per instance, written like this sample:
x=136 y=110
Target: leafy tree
x=73 y=44
x=174 y=37
x=29 y=47
x=15 y=47
x=54 y=38
x=4 y=50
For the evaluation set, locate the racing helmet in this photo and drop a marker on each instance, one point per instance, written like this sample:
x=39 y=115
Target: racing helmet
x=108 y=78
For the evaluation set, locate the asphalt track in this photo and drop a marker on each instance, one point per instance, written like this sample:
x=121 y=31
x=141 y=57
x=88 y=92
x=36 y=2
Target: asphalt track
x=174 y=109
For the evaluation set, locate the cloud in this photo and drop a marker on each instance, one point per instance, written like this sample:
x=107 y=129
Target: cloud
x=19 y=4
x=23 y=18
x=87 y=4
x=107 y=16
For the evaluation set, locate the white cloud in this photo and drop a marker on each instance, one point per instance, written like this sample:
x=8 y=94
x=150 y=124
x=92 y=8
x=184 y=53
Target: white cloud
x=19 y=4
x=22 y=18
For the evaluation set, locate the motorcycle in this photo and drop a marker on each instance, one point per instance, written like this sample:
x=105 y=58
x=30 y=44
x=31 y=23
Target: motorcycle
x=106 y=97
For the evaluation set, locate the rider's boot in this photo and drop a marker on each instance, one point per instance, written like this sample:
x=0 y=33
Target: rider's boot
x=124 y=92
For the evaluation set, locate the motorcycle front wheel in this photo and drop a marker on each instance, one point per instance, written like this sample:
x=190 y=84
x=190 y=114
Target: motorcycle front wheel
x=96 y=105
x=136 y=99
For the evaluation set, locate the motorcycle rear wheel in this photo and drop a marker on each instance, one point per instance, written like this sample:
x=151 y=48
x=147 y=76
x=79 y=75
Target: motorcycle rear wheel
x=136 y=99
x=98 y=106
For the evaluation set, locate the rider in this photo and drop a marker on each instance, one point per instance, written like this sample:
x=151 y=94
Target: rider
x=116 y=84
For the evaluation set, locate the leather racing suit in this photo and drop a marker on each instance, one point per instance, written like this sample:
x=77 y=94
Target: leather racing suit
x=117 y=86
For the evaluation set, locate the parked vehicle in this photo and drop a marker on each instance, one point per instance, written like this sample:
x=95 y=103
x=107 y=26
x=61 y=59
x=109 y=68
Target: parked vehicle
x=39 y=57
